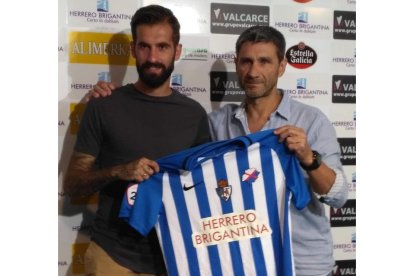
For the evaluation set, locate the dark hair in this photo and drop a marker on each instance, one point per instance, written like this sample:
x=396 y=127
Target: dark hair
x=154 y=14
x=263 y=34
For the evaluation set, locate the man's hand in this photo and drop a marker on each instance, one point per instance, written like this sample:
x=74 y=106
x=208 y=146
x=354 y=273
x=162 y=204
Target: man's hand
x=82 y=180
x=296 y=140
x=138 y=170
x=101 y=89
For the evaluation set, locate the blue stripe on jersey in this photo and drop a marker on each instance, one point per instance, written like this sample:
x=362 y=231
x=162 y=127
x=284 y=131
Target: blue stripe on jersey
x=287 y=258
x=248 y=200
x=272 y=206
x=227 y=207
x=167 y=245
x=204 y=207
x=185 y=225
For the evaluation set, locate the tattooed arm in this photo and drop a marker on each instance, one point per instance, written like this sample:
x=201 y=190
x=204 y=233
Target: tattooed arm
x=82 y=180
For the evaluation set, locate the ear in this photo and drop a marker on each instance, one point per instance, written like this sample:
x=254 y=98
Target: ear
x=235 y=62
x=282 y=67
x=132 y=48
x=178 y=50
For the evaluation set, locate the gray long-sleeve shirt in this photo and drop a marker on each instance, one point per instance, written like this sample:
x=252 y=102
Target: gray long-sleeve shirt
x=311 y=232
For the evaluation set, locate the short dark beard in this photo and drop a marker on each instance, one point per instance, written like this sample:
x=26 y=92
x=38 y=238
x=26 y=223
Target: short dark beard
x=154 y=81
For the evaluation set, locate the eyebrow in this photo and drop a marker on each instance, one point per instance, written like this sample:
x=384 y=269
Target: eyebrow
x=143 y=43
x=265 y=58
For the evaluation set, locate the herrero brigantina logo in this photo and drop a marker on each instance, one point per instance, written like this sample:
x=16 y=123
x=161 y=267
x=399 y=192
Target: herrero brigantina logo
x=301 y=25
x=102 y=14
x=230 y=227
x=188 y=90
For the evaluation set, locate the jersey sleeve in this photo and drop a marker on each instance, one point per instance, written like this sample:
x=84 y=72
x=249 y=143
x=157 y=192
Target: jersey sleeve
x=144 y=211
x=128 y=201
x=295 y=180
x=296 y=183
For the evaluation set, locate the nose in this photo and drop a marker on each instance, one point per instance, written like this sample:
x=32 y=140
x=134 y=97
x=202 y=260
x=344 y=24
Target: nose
x=152 y=54
x=253 y=70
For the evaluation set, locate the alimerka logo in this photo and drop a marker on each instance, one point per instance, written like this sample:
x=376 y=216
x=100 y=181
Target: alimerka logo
x=78 y=257
x=100 y=48
x=76 y=113
x=301 y=56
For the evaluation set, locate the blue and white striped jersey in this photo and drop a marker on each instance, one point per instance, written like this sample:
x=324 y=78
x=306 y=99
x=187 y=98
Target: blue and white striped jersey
x=222 y=208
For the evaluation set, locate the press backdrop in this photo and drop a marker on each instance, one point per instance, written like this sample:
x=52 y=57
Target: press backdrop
x=320 y=34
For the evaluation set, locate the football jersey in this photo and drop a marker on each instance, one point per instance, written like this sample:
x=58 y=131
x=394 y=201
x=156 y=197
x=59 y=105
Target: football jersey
x=222 y=208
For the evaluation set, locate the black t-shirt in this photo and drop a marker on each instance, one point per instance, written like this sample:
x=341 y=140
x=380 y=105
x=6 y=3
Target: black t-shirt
x=125 y=127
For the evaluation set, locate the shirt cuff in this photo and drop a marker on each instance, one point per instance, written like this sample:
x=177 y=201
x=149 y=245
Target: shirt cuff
x=336 y=187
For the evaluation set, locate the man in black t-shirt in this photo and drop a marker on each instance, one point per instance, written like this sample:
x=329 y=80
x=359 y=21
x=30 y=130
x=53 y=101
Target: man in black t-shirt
x=121 y=136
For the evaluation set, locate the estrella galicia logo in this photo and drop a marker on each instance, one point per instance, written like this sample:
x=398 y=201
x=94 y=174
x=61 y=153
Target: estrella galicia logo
x=177 y=80
x=345 y=268
x=301 y=56
x=104 y=76
x=301 y=83
x=343 y=89
x=302 y=1
x=234 y=19
x=224 y=87
x=102 y=6
x=224 y=189
x=344 y=216
x=344 y=25
x=348 y=150
x=303 y=17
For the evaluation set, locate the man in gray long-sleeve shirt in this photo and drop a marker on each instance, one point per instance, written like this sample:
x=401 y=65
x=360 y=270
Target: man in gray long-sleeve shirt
x=305 y=130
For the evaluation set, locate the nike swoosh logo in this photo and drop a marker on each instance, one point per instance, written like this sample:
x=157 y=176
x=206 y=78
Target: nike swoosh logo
x=186 y=188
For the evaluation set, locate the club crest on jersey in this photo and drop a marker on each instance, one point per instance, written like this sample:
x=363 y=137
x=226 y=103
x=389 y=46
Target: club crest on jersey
x=223 y=189
x=250 y=175
x=131 y=193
